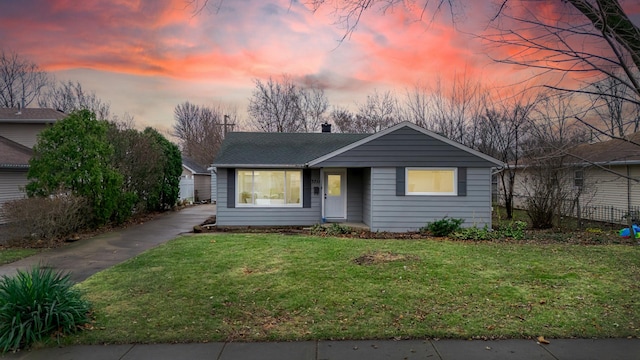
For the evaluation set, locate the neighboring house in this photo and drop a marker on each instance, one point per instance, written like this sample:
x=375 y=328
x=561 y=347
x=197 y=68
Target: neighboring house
x=19 y=131
x=606 y=175
x=195 y=182
x=395 y=180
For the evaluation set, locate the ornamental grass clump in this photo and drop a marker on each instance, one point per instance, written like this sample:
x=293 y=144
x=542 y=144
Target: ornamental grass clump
x=37 y=303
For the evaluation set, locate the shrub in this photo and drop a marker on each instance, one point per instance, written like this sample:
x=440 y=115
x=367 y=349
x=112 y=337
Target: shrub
x=473 y=233
x=317 y=229
x=46 y=218
x=337 y=229
x=35 y=304
x=513 y=229
x=443 y=227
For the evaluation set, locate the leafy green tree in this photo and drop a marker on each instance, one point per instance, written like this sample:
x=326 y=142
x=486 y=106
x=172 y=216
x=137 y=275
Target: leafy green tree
x=75 y=156
x=167 y=189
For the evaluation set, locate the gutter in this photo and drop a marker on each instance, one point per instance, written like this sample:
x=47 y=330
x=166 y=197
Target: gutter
x=261 y=166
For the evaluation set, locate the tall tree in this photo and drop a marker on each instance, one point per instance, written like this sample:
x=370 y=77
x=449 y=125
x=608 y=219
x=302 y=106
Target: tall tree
x=502 y=131
x=378 y=112
x=281 y=105
x=201 y=129
x=74 y=155
x=166 y=190
x=21 y=81
x=69 y=96
x=343 y=119
x=594 y=39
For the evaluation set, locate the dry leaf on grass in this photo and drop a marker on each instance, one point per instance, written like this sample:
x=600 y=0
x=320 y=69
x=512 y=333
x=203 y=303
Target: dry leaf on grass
x=542 y=340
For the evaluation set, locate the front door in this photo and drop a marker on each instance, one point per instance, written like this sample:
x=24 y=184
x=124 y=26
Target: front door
x=335 y=194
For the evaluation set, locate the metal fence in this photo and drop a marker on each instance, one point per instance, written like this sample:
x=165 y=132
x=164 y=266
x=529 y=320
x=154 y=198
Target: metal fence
x=609 y=214
x=599 y=213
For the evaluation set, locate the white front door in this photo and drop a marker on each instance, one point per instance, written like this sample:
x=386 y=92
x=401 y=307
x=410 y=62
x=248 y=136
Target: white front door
x=335 y=194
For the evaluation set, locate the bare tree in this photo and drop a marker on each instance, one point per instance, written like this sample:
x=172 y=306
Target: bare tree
x=21 y=81
x=281 y=105
x=453 y=112
x=548 y=171
x=343 y=119
x=502 y=131
x=69 y=96
x=592 y=40
x=417 y=106
x=610 y=105
x=201 y=129
x=314 y=104
x=379 y=112
x=553 y=127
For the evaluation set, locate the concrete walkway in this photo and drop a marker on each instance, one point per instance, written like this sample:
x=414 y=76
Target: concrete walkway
x=578 y=349
x=86 y=257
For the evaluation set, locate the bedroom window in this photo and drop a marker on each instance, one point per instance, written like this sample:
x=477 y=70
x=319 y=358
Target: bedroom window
x=431 y=181
x=269 y=188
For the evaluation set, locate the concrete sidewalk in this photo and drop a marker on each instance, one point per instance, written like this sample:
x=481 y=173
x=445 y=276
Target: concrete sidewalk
x=86 y=257
x=558 y=349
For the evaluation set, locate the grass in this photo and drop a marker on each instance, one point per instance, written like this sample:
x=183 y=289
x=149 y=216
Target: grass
x=267 y=287
x=11 y=255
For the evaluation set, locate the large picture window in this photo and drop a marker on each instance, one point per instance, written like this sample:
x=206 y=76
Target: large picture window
x=270 y=188
x=431 y=181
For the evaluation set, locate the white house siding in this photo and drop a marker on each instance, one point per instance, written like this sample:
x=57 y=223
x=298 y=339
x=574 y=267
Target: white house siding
x=12 y=185
x=242 y=216
x=604 y=196
x=607 y=195
x=393 y=213
x=610 y=189
x=24 y=134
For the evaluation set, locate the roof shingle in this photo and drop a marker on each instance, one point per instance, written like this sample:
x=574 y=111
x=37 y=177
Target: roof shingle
x=614 y=150
x=14 y=155
x=284 y=149
x=32 y=115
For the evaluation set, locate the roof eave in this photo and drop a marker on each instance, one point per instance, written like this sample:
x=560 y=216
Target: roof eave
x=14 y=166
x=261 y=166
x=396 y=127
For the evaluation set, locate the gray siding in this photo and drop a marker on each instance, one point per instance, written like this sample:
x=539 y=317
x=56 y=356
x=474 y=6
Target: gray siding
x=354 y=195
x=409 y=213
x=406 y=147
x=24 y=134
x=266 y=216
x=366 y=196
x=12 y=183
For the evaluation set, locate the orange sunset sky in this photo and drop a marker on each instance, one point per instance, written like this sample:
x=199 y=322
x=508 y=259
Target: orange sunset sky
x=147 y=56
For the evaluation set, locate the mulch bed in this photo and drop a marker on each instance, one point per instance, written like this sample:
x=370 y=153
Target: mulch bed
x=541 y=237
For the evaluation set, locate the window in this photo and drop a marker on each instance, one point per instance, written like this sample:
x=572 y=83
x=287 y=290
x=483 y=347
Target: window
x=578 y=178
x=271 y=188
x=431 y=181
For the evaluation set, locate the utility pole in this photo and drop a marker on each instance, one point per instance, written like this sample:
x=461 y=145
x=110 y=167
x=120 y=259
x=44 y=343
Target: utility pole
x=226 y=125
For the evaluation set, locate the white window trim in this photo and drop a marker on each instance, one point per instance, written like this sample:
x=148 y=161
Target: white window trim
x=455 y=182
x=244 y=205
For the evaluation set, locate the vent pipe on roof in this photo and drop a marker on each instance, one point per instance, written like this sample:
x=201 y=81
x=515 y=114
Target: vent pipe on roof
x=326 y=127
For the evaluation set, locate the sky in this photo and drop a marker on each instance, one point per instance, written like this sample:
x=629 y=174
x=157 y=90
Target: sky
x=145 y=57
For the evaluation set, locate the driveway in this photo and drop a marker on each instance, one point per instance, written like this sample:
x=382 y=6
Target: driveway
x=86 y=257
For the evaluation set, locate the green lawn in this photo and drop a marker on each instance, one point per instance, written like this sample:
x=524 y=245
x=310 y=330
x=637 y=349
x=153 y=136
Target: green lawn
x=249 y=287
x=11 y=255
